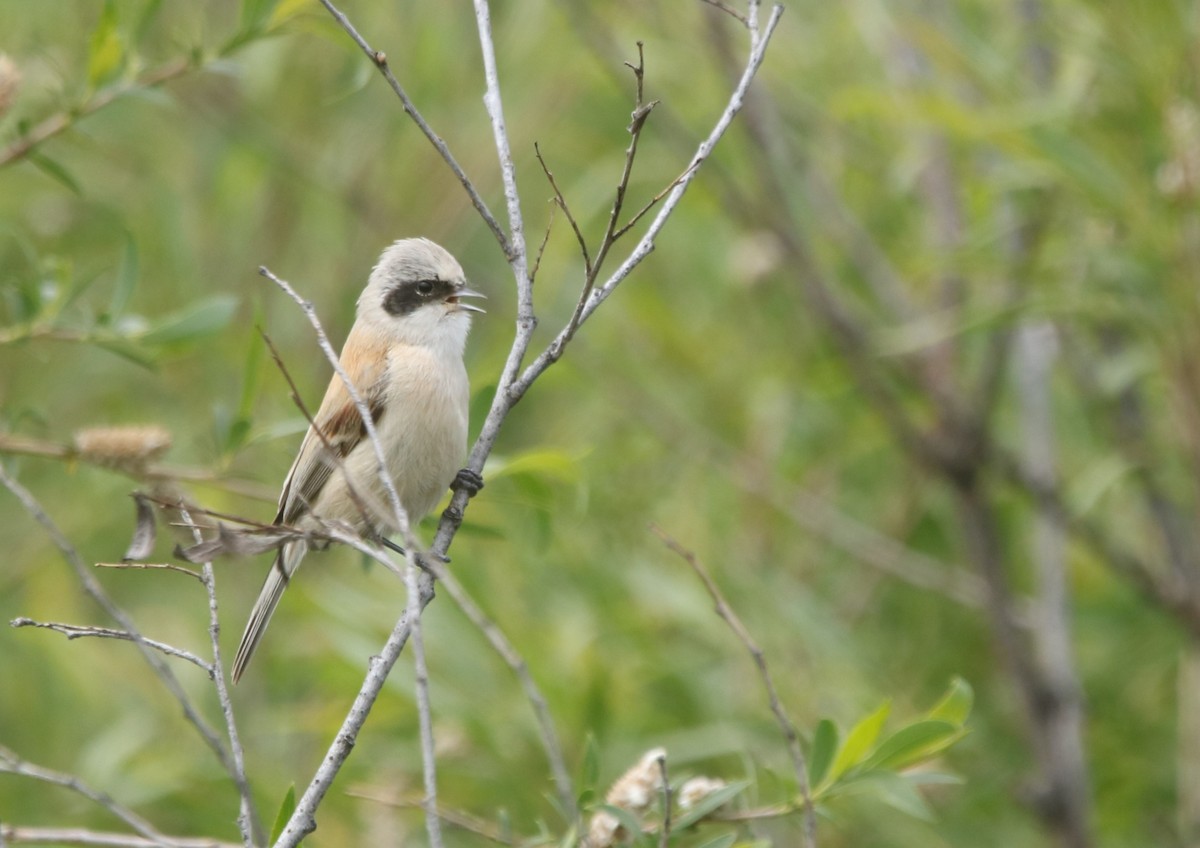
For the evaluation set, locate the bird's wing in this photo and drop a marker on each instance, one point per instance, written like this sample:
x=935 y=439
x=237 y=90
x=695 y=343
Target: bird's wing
x=365 y=362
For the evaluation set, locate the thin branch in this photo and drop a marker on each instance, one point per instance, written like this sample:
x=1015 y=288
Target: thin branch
x=97 y=593
x=380 y=61
x=303 y=820
x=11 y=763
x=646 y=245
x=152 y=566
x=79 y=631
x=664 y=835
x=733 y=13
x=248 y=820
x=510 y=655
x=330 y=452
x=433 y=824
x=537 y=261
x=495 y=109
x=799 y=765
x=11 y=834
x=561 y=203
x=517 y=258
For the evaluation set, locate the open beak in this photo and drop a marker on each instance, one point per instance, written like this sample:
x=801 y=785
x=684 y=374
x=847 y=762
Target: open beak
x=466 y=307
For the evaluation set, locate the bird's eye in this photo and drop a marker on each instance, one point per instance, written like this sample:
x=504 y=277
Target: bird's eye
x=425 y=288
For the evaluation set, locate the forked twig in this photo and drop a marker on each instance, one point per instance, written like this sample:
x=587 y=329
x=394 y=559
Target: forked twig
x=80 y=631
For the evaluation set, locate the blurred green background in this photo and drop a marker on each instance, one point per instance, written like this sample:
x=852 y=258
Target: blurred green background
x=707 y=396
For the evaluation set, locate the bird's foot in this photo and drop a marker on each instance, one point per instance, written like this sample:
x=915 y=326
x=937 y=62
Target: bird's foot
x=468 y=481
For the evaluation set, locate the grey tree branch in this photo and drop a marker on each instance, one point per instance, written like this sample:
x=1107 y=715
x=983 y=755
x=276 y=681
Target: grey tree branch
x=429 y=802
x=57 y=836
x=380 y=61
x=97 y=593
x=799 y=764
x=11 y=763
x=77 y=631
x=248 y=821
x=1062 y=756
x=509 y=390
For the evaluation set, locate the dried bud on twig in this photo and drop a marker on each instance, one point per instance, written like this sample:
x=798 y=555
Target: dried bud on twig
x=122 y=447
x=634 y=791
x=697 y=789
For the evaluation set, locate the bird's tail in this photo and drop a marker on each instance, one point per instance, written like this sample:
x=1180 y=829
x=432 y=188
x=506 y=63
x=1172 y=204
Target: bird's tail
x=285 y=565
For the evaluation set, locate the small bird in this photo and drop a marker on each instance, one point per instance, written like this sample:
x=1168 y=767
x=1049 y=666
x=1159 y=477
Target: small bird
x=404 y=356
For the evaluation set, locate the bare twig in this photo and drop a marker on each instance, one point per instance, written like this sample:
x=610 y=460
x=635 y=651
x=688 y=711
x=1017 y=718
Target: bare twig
x=537 y=261
x=330 y=453
x=11 y=763
x=664 y=835
x=561 y=203
x=433 y=824
x=79 y=631
x=11 y=834
x=729 y=10
x=97 y=593
x=152 y=566
x=248 y=820
x=799 y=765
x=646 y=244
x=380 y=61
x=502 y=646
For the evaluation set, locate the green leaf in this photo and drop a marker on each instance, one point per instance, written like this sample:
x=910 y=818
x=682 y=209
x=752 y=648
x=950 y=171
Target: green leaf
x=724 y=841
x=285 y=812
x=955 y=705
x=198 y=319
x=893 y=790
x=859 y=741
x=710 y=803
x=55 y=171
x=255 y=14
x=106 y=58
x=915 y=743
x=127 y=275
x=824 y=746
x=589 y=775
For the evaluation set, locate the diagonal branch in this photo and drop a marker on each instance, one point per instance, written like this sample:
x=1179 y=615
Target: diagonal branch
x=381 y=62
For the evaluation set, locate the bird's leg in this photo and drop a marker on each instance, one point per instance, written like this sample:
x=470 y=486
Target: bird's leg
x=392 y=546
